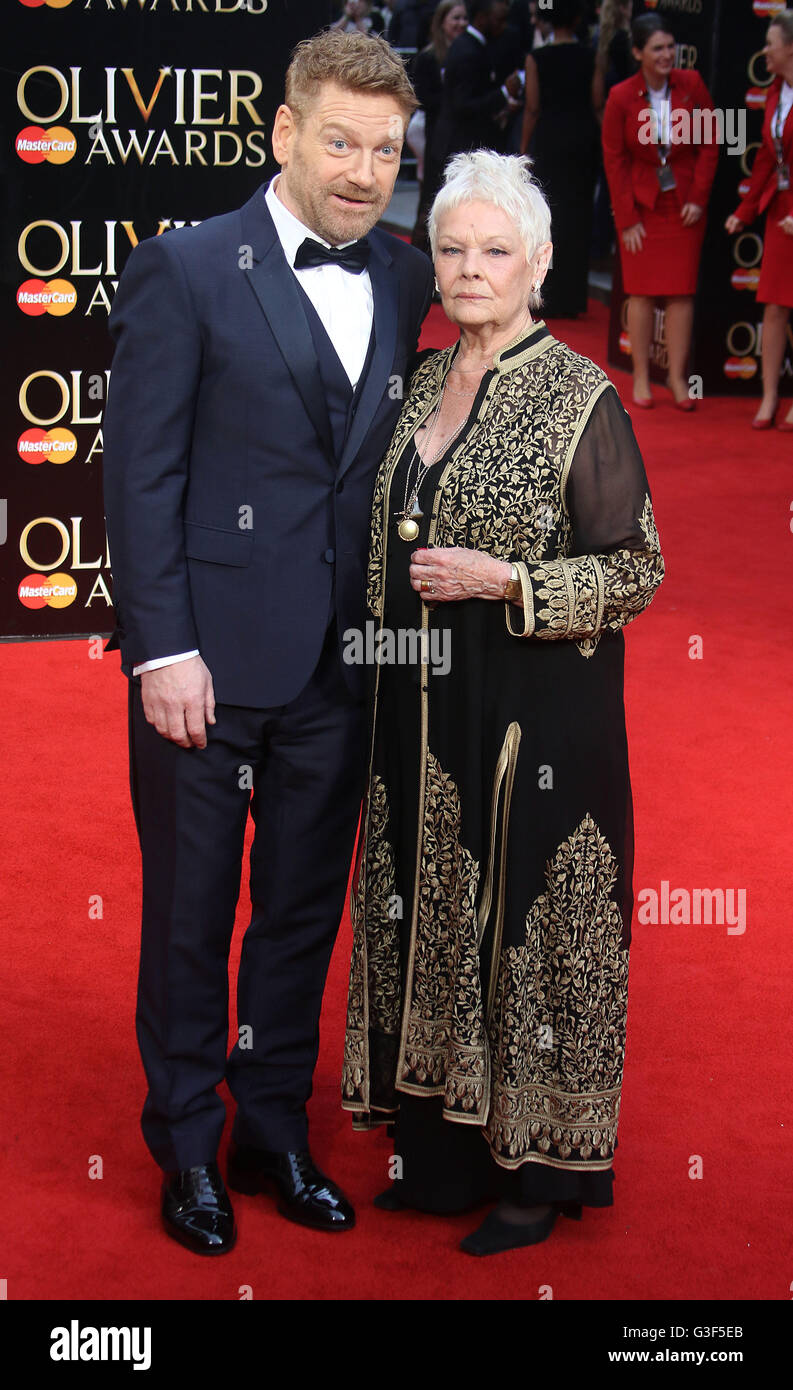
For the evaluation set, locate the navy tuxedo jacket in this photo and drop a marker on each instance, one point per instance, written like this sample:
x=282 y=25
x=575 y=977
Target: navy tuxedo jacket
x=228 y=513
x=472 y=99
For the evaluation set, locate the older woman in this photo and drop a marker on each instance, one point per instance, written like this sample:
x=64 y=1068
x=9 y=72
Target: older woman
x=513 y=531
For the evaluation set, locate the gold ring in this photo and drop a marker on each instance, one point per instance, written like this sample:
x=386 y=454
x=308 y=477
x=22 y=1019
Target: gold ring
x=426 y=587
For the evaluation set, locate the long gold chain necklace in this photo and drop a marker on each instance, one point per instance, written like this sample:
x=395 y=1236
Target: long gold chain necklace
x=411 y=513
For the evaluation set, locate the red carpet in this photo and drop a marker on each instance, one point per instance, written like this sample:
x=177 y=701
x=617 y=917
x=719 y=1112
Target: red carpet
x=709 y=1035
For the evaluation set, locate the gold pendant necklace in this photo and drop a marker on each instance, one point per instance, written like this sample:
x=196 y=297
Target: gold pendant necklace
x=411 y=513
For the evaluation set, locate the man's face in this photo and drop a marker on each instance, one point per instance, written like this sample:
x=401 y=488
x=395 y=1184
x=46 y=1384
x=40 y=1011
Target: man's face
x=339 y=162
x=494 y=21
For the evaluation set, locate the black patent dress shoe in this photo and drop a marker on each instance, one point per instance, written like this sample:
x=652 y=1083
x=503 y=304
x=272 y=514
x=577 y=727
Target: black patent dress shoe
x=305 y=1194
x=197 y=1211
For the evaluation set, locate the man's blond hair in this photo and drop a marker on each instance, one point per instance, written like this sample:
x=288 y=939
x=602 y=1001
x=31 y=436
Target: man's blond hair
x=356 y=62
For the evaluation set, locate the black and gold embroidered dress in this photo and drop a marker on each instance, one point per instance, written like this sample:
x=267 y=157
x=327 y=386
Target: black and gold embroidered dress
x=492 y=892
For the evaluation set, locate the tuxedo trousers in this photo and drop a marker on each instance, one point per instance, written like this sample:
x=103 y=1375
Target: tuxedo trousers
x=299 y=770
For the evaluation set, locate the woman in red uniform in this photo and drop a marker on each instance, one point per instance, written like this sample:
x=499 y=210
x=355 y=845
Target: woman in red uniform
x=660 y=178
x=770 y=192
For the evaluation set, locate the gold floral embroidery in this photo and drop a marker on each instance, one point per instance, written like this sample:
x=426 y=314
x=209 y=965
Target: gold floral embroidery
x=375 y=954
x=354 y=1075
x=557 y=1034
x=632 y=576
x=504 y=494
x=445 y=1049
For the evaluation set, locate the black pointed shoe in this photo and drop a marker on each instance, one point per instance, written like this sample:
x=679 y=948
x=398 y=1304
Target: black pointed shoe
x=197 y=1211
x=305 y=1194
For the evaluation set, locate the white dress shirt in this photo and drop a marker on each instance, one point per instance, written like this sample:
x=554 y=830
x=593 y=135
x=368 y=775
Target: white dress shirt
x=783 y=109
x=345 y=305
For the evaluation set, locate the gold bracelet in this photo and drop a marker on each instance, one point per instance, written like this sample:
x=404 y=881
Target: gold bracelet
x=513 y=588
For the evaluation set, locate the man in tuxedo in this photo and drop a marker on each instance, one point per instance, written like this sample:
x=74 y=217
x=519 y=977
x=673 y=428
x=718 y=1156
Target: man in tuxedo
x=476 y=103
x=255 y=387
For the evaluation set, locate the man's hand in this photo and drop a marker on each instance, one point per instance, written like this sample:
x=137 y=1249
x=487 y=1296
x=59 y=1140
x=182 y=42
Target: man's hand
x=513 y=84
x=457 y=573
x=633 y=237
x=179 y=701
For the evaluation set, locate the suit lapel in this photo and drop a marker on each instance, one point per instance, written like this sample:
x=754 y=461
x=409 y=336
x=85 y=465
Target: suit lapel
x=274 y=284
x=385 y=292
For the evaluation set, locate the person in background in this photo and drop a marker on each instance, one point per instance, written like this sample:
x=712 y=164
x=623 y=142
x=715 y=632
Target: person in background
x=476 y=102
x=522 y=20
x=360 y=17
x=387 y=11
x=543 y=26
x=659 y=192
x=561 y=133
x=614 y=60
x=770 y=192
x=410 y=23
x=448 y=22
x=613 y=63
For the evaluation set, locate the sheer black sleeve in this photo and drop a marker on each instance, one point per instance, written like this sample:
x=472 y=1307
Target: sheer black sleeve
x=616 y=563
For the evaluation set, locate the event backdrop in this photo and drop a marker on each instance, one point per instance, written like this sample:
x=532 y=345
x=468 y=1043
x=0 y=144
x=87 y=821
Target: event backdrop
x=126 y=117
x=723 y=40
x=122 y=118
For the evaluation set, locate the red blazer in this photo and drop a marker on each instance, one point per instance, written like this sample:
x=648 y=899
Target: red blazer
x=631 y=165
x=763 y=184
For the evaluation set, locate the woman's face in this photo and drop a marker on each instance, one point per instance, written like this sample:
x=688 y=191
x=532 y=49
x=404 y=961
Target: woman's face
x=657 y=57
x=480 y=261
x=454 y=23
x=777 y=53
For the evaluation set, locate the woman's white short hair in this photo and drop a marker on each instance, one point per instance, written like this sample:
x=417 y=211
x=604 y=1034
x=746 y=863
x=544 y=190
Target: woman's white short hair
x=506 y=181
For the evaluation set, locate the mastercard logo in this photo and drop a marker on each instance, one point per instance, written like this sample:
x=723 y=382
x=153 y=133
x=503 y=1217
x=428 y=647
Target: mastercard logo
x=57 y=297
x=51 y=4
x=625 y=343
x=756 y=98
x=764 y=9
x=745 y=279
x=47 y=446
x=57 y=145
x=740 y=368
x=47 y=591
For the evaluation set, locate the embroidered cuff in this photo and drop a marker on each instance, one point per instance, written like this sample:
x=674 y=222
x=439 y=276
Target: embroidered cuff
x=569 y=594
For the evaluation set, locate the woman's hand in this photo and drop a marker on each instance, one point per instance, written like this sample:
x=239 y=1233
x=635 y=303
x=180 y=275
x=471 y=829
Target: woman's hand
x=633 y=237
x=456 y=573
x=690 y=214
x=733 y=224
x=787 y=225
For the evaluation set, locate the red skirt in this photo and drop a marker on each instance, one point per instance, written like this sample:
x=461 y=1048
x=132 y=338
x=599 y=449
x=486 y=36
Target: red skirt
x=775 y=285
x=668 y=263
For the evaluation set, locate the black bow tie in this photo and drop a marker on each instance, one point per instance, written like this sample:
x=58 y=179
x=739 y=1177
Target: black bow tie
x=353 y=258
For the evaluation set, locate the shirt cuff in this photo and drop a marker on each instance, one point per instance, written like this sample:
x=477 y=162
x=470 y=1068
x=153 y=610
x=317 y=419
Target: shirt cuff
x=162 y=661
